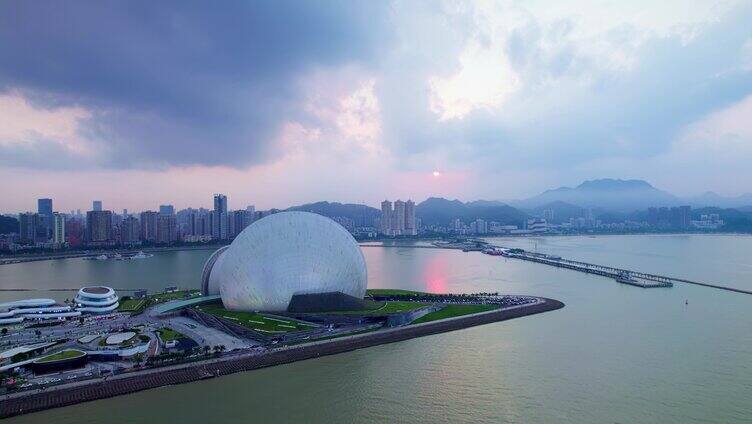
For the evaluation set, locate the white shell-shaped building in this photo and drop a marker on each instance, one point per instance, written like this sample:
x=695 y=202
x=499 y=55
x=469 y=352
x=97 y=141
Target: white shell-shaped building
x=282 y=255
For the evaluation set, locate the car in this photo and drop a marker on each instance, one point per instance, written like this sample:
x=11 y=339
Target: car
x=72 y=377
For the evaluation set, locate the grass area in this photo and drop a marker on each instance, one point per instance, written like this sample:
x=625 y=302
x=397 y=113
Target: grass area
x=253 y=320
x=66 y=354
x=131 y=305
x=393 y=292
x=178 y=295
x=451 y=311
x=385 y=308
x=168 y=334
x=135 y=306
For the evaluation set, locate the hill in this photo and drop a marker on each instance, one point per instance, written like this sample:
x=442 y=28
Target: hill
x=608 y=194
x=440 y=211
x=362 y=215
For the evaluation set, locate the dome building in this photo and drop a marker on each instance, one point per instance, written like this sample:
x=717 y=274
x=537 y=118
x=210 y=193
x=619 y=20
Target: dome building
x=96 y=299
x=289 y=261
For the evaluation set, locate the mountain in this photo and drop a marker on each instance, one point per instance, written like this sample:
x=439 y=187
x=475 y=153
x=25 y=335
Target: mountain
x=608 y=194
x=440 y=211
x=362 y=215
x=710 y=198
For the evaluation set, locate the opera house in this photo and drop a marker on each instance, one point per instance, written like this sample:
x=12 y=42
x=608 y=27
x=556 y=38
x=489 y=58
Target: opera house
x=289 y=261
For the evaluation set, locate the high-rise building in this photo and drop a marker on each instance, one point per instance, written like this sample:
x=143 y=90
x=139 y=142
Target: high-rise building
x=96 y=206
x=411 y=227
x=398 y=218
x=125 y=213
x=386 y=218
x=99 y=226
x=44 y=207
x=166 y=210
x=238 y=220
x=219 y=218
x=479 y=226
x=148 y=223
x=166 y=229
x=198 y=224
x=58 y=232
x=28 y=224
x=46 y=220
x=130 y=230
x=74 y=232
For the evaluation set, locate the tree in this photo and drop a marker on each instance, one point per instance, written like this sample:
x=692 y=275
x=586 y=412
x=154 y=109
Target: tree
x=4 y=331
x=38 y=333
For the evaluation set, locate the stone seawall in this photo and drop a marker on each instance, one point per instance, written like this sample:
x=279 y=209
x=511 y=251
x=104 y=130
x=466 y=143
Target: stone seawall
x=141 y=380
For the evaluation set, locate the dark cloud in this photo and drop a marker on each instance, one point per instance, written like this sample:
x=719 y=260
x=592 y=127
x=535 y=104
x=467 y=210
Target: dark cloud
x=173 y=83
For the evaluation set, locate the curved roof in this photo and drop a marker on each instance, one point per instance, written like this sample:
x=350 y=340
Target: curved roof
x=209 y=286
x=27 y=303
x=285 y=254
x=96 y=290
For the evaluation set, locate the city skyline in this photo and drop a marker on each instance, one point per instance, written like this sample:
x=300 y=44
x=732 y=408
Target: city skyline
x=484 y=101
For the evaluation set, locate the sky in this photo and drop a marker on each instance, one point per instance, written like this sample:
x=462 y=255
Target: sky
x=278 y=103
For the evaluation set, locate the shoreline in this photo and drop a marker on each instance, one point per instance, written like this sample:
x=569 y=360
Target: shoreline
x=10 y=260
x=74 y=393
x=16 y=259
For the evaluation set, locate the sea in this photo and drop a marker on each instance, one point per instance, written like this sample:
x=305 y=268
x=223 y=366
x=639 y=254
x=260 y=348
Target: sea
x=613 y=354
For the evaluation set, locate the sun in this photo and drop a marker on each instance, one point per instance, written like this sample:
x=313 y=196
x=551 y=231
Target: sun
x=436 y=173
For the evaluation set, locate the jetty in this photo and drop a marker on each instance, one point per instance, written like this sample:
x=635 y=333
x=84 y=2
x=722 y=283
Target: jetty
x=621 y=275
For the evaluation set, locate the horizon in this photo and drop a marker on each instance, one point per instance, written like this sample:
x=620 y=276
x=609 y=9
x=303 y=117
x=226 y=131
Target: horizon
x=494 y=100
x=509 y=202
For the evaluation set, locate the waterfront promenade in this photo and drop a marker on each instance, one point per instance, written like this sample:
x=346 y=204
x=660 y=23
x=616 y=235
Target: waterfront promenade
x=246 y=360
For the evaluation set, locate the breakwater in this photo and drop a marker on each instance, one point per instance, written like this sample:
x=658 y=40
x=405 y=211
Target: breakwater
x=609 y=271
x=74 y=393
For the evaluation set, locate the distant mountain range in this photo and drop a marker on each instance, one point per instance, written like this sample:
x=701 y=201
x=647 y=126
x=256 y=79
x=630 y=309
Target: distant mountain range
x=435 y=210
x=623 y=196
x=607 y=194
x=611 y=200
x=361 y=214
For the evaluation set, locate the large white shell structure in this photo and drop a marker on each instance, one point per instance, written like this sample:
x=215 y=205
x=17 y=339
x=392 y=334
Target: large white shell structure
x=286 y=254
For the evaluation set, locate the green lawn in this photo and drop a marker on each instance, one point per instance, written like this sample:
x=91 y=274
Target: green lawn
x=253 y=320
x=393 y=292
x=451 y=311
x=167 y=334
x=178 y=295
x=131 y=305
x=385 y=308
x=66 y=354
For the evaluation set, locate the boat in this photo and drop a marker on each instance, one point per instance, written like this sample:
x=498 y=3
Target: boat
x=140 y=255
x=102 y=257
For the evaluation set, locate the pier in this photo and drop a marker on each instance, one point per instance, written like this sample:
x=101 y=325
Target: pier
x=624 y=276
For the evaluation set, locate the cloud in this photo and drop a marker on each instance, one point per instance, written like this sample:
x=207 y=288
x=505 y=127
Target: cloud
x=505 y=98
x=184 y=83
